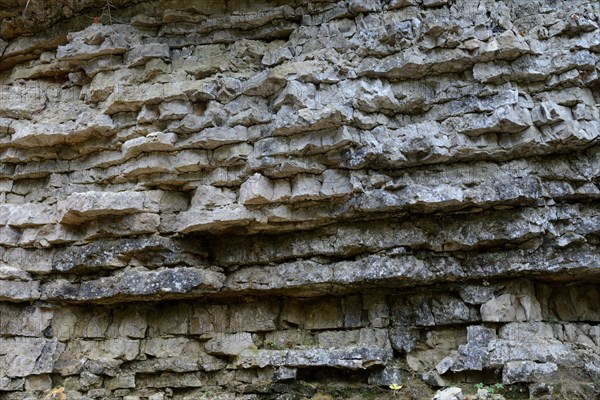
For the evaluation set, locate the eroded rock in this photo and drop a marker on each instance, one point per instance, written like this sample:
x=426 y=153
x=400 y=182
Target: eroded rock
x=223 y=200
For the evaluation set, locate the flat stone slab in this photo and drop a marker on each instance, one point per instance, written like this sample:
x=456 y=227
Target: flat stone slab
x=349 y=358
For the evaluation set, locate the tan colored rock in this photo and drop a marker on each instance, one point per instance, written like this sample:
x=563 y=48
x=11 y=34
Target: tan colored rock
x=209 y=319
x=39 y=383
x=167 y=347
x=21 y=101
x=132 y=97
x=139 y=55
x=208 y=196
x=26 y=215
x=19 y=291
x=175 y=109
x=155 y=141
x=253 y=317
x=520 y=304
x=363 y=337
x=306 y=187
x=126 y=323
x=97 y=40
x=121 y=381
x=335 y=183
x=256 y=190
x=88 y=205
x=325 y=314
x=19 y=321
x=229 y=344
x=25 y=356
x=69 y=132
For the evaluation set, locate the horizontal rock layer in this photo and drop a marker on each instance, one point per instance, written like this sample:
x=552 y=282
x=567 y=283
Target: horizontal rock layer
x=233 y=198
x=526 y=329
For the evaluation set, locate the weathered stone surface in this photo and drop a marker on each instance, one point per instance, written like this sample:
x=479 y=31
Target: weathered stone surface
x=527 y=371
x=140 y=55
x=96 y=40
x=21 y=101
x=131 y=97
x=351 y=358
x=364 y=337
x=403 y=338
x=520 y=305
x=100 y=358
x=19 y=291
x=71 y=131
x=314 y=314
x=136 y=282
x=229 y=345
x=25 y=215
x=155 y=141
x=386 y=377
x=423 y=311
x=256 y=190
x=254 y=316
x=28 y=321
x=220 y=200
x=451 y=393
x=82 y=206
x=174 y=109
x=28 y=356
x=529 y=352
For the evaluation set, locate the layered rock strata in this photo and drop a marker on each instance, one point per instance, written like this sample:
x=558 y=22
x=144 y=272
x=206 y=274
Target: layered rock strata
x=233 y=199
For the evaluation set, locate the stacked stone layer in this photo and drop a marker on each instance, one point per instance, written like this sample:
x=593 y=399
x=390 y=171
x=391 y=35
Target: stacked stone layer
x=229 y=197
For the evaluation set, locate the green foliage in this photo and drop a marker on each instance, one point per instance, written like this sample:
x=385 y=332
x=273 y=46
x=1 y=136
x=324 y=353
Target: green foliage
x=273 y=346
x=497 y=387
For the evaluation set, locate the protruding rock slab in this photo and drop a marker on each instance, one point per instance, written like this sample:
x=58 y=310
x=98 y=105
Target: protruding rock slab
x=79 y=207
x=351 y=358
x=137 y=284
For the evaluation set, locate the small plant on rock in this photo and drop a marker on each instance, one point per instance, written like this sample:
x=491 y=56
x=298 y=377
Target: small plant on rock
x=491 y=389
x=273 y=346
x=57 y=394
x=395 y=387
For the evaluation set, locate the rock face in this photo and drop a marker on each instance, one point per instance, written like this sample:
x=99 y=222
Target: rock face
x=225 y=199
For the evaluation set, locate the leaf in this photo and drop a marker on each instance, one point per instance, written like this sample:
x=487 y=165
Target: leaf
x=395 y=386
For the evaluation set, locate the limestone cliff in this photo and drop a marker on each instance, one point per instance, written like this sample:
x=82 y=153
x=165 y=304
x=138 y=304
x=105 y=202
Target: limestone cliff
x=240 y=199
